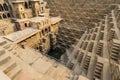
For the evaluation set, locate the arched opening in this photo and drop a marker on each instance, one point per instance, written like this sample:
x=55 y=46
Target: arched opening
x=30 y=4
x=1 y=7
x=23 y=15
x=25 y=24
x=26 y=5
x=46 y=31
x=4 y=16
x=10 y=7
x=49 y=29
x=6 y=7
x=43 y=32
x=8 y=15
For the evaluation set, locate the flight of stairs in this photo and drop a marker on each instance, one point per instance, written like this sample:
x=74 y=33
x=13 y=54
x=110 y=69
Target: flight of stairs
x=80 y=57
x=98 y=71
x=100 y=49
x=111 y=34
x=115 y=52
x=8 y=66
x=86 y=62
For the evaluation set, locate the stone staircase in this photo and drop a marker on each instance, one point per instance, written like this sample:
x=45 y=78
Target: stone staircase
x=8 y=66
x=80 y=57
x=86 y=62
x=100 y=49
x=115 y=52
x=98 y=71
x=111 y=35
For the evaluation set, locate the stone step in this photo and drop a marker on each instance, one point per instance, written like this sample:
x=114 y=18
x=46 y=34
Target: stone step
x=99 y=65
x=97 y=71
x=8 y=66
x=86 y=64
x=99 y=53
x=2 y=43
x=115 y=54
x=87 y=58
x=4 y=59
x=116 y=45
x=97 y=75
x=14 y=72
x=114 y=57
x=98 y=68
x=2 y=52
x=7 y=46
x=95 y=78
x=115 y=51
x=99 y=50
x=116 y=48
x=100 y=46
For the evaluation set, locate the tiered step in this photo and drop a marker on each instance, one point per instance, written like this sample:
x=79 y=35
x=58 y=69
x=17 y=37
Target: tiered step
x=76 y=54
x=14 y=73
x=94 y=37
x=2 y=52
x=11 y=69
x=100 y=49
x=2 y=43
x=8 y=66
x=87 y=62
x=98 y=71
x=115 y=51
x=4 y=59
x=80 y=58
x=111 y=35
x=91 y=45
x=85 y=45
x=101 y=37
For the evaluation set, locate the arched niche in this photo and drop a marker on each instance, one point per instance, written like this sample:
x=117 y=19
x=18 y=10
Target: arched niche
x=6 y=7
x=1 y=7
x=8 y=15
x=26 y=25
x=4 y=16
x=26 y=5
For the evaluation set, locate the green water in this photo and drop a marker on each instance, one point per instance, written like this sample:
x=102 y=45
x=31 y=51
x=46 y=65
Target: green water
x=56 y=53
